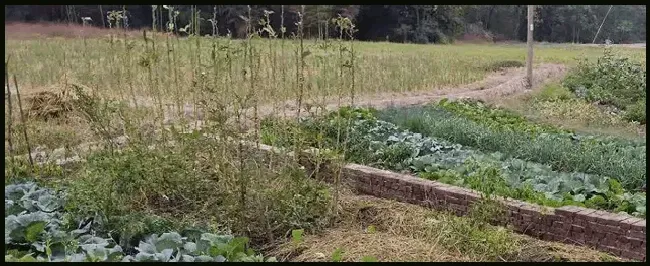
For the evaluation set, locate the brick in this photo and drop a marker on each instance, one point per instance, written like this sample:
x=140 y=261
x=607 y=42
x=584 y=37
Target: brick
x=567 y=211
x=577 y=229
x=548 y=222
x=634 y=233
x=578 y=237
x=600 y=216
x=635 y=242
x=585 y=212
x=633 y=255
x=597 y=227
x=615 y=229
x=529 y=209
x=559 y=231
x=598 y=236
x=579 y=221
x=452 y=199
x=640 y=225
x=548 y=236
x=418 y=192
x=627 y=223
x=610 y=239
x=623 y=242
x=614 y=219
x=592 y=242
x=428 y=192
x=593 y=216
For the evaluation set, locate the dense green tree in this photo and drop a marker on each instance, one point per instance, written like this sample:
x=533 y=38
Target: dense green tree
x=398 y=23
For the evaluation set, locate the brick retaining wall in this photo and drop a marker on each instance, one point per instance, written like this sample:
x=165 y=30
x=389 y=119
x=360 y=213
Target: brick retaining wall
x=618 y=234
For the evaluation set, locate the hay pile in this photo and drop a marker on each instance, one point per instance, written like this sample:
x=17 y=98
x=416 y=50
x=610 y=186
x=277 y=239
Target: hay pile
x=53 y=103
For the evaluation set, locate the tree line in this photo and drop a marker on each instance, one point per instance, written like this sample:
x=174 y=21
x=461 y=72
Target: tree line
x=395 y=23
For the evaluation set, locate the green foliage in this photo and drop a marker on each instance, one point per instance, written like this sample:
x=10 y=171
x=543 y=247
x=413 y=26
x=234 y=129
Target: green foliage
x=136 y=180
x=296 y=236
x=173 y=247
x=498 y=118
x=554 y=92
x=19 y=171
x=497 y=130
x=636 y=112
x=374 y=142
x=371 y=229
x=35 y=227
x=611 y=80
x=337 y=255
x=36 y=230
x=126 y=187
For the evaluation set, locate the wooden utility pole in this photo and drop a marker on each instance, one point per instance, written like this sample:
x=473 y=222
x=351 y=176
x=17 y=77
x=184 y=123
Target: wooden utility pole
x=601 y=24
x=529 y=40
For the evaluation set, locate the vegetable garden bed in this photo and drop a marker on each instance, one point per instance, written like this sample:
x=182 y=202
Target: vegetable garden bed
x=381 y=144
x=378 y=143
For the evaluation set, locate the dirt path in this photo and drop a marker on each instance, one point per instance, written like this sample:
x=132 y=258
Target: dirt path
x=508 y=82
x=498 y=84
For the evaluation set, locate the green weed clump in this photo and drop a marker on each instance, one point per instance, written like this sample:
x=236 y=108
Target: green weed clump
x=554 y=92
x=636 y=112
x=611 y=80
x=122 y=187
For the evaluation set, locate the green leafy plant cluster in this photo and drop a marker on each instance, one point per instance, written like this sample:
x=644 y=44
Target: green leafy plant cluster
x=612 y=80
x=185 y=184
x=496 y=117
x=494 y=130
x=382 y=144
x=37 y=228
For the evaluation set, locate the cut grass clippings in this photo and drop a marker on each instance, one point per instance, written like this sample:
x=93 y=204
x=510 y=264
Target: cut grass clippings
x=406 y=232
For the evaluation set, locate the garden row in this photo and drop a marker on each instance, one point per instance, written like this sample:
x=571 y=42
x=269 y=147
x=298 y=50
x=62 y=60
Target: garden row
x=436 y=154
x=162 y=203
x=477 y=125
x=38 y=228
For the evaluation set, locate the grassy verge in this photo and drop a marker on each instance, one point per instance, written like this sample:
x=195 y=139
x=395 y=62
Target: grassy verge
x=555 y=105
x=602 y=96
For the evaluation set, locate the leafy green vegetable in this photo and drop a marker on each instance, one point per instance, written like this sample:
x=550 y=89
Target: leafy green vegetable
x=34 y=232
x=385 y=145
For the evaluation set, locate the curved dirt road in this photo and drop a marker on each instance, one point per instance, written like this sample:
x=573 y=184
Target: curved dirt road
x=510 y=81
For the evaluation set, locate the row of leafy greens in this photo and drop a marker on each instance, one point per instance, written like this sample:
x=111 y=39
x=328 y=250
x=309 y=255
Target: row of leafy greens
x=490 y=129
x=367 y=140
x=38 y=229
